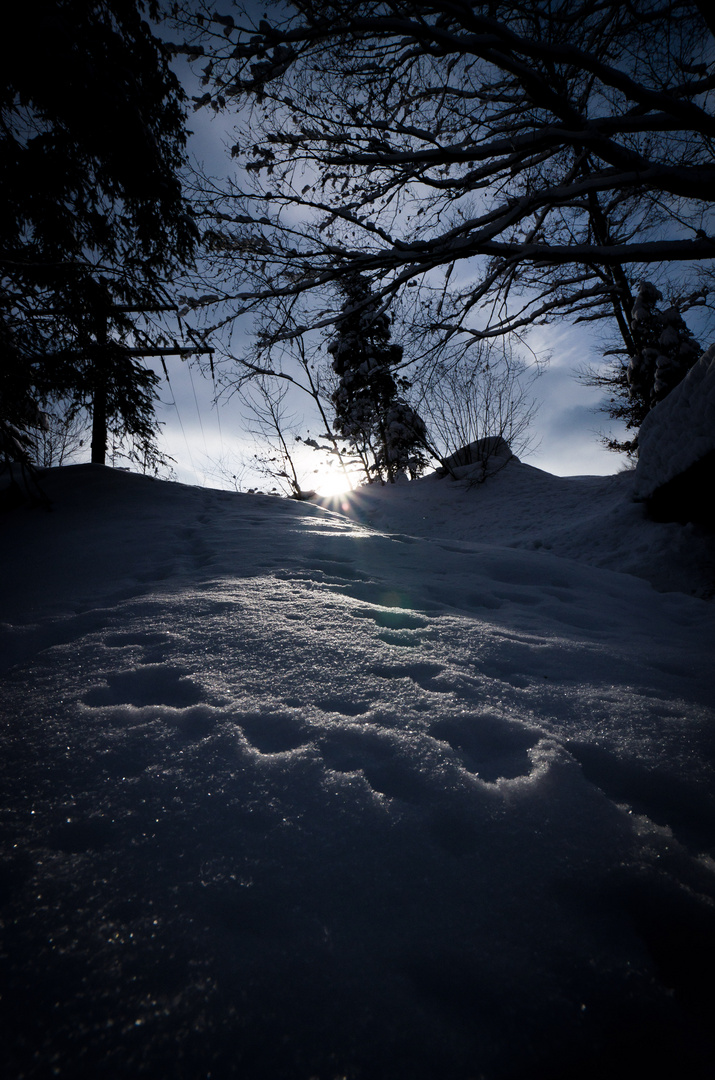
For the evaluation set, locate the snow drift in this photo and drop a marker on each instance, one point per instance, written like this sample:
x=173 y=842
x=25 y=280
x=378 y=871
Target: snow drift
x=677 y=445
x=416 y=787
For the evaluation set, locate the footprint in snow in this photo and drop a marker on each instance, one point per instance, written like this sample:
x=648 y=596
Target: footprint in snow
x=422 y=674
x=392 y=618
x=347 y=749
x=378 y=759
x=274 y=733
x=151 y=684
x=490 y=747
x=398 y=780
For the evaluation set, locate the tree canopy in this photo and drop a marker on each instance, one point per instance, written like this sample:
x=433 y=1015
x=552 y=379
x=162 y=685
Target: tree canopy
x=93 y=221
x=510 y=158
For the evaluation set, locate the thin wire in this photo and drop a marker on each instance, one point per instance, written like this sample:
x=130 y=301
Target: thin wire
x=218 y=411
x=178 y=417
x=196 y=401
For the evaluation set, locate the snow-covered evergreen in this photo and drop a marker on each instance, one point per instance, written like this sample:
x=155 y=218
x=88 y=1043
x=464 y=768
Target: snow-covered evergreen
x=666 y=348
x=386 y=432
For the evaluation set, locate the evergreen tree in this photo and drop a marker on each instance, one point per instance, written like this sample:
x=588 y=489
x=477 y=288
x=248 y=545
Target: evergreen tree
x=662 y=351
x=92 y=217
x=382 y=428
x=665 y=348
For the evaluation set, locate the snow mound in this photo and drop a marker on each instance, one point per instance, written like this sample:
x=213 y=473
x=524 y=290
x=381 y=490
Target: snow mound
x=590 y=519
x=480 y=450
x=477 y=460
x=679 y=433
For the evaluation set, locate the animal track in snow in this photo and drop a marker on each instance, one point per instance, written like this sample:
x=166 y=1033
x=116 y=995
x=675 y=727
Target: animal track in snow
x=274 y=733
x=345 y=706
x=199 y=553
x=151 y=684
x=491 y=747
x=348 y=749
x=392 y=618
x=421 y=674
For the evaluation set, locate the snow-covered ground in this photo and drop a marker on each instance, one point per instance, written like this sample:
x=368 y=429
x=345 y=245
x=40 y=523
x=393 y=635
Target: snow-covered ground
x=417 y=787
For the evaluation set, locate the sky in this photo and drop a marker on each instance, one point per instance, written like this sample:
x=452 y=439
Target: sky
x=416 y=784
x=566 y=428
x=210 y=444
x=202 y=439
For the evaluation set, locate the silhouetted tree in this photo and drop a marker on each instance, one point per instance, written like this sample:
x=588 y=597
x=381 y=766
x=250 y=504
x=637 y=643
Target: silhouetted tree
x=382 y=428
x=662 y=352
x=514 y=159
x=92 y=217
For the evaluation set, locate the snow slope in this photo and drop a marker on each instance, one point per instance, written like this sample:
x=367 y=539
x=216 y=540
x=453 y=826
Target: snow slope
x=689 y=407
x=421 y=788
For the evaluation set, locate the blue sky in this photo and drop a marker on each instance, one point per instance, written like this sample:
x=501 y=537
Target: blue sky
x=206 y=441
x=203 y=439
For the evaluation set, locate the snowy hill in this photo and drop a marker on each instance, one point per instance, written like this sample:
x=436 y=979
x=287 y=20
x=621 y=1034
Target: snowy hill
x=592 y=519
x=417 y=787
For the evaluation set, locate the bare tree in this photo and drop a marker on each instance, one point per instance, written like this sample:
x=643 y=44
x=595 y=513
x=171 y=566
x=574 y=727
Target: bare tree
x=229 y=470
x=63 y=433
x=465 y=402
x=274 y=364
x=276 y=431
x=515 y=160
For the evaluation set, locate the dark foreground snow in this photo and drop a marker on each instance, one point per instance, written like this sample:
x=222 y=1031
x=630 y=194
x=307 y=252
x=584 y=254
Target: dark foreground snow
x=419 y=790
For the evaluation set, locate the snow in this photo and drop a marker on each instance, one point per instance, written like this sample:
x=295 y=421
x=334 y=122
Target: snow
x=680 y=430
x=416 y=786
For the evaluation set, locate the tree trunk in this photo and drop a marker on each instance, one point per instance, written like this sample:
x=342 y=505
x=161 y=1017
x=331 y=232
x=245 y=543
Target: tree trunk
x=99 y=400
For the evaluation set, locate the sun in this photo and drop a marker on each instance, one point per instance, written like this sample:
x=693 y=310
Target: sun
x=331 y=481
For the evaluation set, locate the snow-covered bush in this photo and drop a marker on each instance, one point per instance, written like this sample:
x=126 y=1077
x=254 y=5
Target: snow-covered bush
x=479 y=398
x=401 y=449
x=478 y=460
